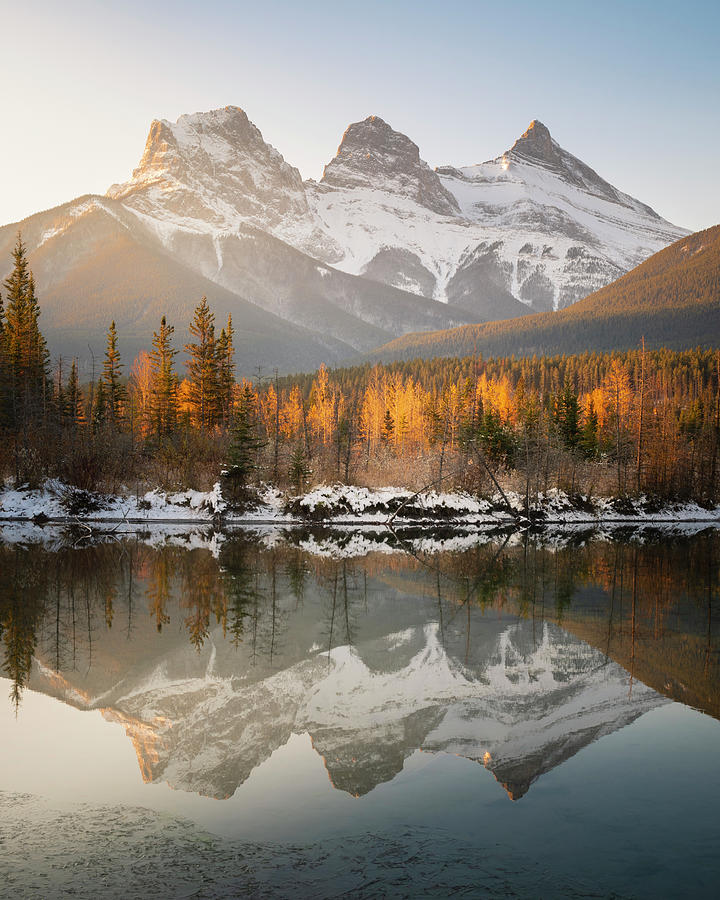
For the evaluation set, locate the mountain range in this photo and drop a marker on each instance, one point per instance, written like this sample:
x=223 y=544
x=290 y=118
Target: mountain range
x=380 y=246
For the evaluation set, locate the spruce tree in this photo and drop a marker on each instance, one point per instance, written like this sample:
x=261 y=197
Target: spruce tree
x=38 y=355
x=17 y=285
x=73 y=396
x=226 y=370
x=163 y=382
x=24 y=348
x=567 y=416
x=246 y=443
x=114 y=392
x=203 y=367
x=299 y=469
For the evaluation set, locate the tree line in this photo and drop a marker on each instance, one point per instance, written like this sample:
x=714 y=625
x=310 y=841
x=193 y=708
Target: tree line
x=625 y=423
x=58 y=605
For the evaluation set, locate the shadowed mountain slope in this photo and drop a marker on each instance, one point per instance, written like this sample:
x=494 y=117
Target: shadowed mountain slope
x=672 y=300
x=100 y=269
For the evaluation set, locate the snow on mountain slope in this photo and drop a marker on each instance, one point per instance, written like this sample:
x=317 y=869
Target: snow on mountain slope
x=535 y=224
x=95 y=261
x=562 y=231
x=226 y=203
x=381 y=246
x=535 y=227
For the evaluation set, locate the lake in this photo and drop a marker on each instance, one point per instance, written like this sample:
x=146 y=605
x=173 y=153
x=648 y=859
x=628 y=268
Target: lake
x=309 y=713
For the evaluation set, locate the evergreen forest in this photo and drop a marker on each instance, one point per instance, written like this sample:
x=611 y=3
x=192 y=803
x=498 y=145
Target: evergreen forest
x=642 y=421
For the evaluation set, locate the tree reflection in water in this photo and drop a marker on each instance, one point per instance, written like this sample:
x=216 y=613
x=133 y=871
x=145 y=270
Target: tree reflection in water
x=644 y=604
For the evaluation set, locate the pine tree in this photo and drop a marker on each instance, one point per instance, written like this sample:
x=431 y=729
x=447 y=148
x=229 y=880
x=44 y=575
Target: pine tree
x=246 y=442
x=73 y=396
x=24 y=348
x=163 y=383
x=203 y=367
x=226 y=371
x=114 y=391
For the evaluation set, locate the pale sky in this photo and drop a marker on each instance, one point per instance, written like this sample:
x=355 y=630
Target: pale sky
x=632 y=88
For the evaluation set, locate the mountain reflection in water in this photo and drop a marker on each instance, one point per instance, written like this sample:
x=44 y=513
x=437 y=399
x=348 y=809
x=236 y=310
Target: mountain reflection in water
x=213 y=650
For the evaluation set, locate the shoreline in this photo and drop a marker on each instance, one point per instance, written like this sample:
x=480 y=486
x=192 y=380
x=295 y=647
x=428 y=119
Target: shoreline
x=343 y=506
x=220 y=523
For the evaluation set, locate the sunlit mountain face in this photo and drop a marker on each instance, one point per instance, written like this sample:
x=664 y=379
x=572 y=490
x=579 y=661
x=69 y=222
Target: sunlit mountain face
x=214 y=651
x=535 y=225
x=313 y=272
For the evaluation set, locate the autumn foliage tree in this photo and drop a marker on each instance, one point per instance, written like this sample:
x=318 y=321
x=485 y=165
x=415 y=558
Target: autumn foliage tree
x=643 y=421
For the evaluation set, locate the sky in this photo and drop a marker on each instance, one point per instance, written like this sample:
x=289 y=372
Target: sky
x=632 y=88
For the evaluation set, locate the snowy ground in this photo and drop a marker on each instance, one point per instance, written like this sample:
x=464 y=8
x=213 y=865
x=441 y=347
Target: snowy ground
x=338 y=505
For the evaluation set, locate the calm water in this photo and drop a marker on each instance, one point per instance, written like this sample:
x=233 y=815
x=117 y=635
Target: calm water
x=359 y=714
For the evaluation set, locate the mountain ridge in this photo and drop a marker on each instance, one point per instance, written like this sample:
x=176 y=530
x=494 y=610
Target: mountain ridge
x=381 y=246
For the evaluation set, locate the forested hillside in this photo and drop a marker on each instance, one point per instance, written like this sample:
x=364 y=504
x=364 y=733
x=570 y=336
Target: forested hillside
x=640 y=421
x=672 y=300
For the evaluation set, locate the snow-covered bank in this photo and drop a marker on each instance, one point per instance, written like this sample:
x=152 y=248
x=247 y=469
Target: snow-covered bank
x=342 y=505
x=349 y=505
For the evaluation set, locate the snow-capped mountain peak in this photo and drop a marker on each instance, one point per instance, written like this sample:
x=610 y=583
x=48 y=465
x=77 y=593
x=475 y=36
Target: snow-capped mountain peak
x=381 y=246
x=535 y=225
x=374 y=155
x=536 y=146
x=213 y=168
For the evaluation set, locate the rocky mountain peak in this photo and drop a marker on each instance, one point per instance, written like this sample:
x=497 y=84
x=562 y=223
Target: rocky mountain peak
x=375 y=135
x=230 y=126
x=536 y=143
x=213 y=166
x=373 y=155
x=537 y=147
